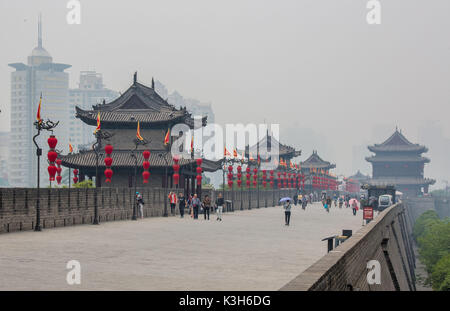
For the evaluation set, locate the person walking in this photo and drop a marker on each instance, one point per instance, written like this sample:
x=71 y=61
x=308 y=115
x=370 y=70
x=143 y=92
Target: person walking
x=195 y=205
x=219 y=206
x=140 y=203
x=295 y=199
x=287 y=212
x=341 y=201
x=354 y=207
x=173 y=202
x=206 y=206
x=304 y=202
x=181 y=204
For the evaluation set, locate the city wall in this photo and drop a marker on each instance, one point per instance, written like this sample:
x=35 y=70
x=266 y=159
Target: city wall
x=68 y=207
x=386 y=239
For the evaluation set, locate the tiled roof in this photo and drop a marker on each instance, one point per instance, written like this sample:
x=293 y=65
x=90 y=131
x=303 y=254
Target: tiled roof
x=397 y=159
x=124 y=159
x=314 y=161
x=138 y=103
x=400 y=181
x=397 y=142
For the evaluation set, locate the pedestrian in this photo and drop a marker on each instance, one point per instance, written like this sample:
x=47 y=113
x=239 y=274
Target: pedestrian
x=354 y=207
x=195 y=205
x=219 y=206
x=140 y=203
x=304 y=203
x=287 y=212
x=181 y=204
x=341 y=201
x=295 y=200
x=329 y=202
x=206 y=206
x=173 y=202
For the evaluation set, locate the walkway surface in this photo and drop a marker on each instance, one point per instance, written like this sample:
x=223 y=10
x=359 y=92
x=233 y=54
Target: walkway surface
x=248 y=250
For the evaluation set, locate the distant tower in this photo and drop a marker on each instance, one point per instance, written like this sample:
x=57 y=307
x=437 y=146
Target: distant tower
x=399 y=162
x=40 y=74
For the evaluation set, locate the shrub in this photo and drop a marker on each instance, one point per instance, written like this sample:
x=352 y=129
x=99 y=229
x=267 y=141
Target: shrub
x=84 y=184
x=434 y=242
x=423 y=222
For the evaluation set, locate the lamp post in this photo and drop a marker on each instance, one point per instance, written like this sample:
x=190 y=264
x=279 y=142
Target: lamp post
x=137 y=142
x=99 y=135
x=161 y=155
x=48 y=126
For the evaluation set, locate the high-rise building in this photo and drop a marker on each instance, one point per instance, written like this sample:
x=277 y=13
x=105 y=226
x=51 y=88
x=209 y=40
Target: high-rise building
x=39 y=76
x=90 y=92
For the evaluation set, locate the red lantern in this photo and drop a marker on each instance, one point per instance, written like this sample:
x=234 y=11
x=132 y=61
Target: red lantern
x=146 y=165
x=58 y=162
x=199 y=162
x=108 y=162
x=264 y=183
x=51 y=172
x=59 y=170
x=199 y=179
x=108 y=174
x=58 y=179
x=75 y=180
x=239 y=169
x=52 y=155
x=108 y=149
x=52 y=142
x=199 y=170
x=146 y=154
x=145 y=176
x=239 y=182
x=176 y=178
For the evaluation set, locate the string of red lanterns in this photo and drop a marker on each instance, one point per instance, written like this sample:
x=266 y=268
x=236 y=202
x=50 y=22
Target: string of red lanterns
x=75 y=176
x=146 y=166
x=176 y=170
x=255 y=177
x=58 y=171
x=199 y=171
x=51 y=156
x=108 y=162
x=264 y=178
x=248 y=176
x=239 y=176
x=230 y=176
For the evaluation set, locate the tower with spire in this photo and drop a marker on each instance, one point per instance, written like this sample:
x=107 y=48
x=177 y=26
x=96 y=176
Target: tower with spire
x=39 y=75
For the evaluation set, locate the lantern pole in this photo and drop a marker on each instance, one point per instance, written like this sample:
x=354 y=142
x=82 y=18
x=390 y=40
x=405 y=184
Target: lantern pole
x=161 y=155
x=99 y=135
x=137 y=142
x=48 y=126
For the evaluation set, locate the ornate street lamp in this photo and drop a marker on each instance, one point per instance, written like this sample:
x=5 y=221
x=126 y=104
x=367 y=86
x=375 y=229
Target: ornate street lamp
x=99 y=136
x=40 y=126
x=161 y=155
x=137 y=143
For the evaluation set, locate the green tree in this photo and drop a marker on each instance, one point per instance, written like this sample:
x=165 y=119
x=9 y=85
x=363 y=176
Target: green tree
x=434 y=243
x=84 y=184
x=423 y=222
x=440 y=278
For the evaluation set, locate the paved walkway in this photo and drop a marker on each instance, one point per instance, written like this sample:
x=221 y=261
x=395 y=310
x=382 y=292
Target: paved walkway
x=248 y=250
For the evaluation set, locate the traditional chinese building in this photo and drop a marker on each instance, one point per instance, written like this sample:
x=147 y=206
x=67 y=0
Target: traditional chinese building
x=317 y=171
x=119 y=119
x=399 y=162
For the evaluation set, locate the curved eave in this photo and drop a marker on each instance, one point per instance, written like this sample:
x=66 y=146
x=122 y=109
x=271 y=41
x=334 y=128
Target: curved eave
x=393 y=149
x=375 y=159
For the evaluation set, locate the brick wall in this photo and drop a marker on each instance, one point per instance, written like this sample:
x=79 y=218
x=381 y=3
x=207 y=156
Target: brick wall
x=67 y=207
x=387 y=239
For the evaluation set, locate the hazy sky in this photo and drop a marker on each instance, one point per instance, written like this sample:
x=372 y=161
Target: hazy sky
x=315 y=66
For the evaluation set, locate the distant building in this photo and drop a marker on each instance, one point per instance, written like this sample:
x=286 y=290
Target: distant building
x=39 y=75
x=4 y=155
x=90 y=92
x=196 y=107
x=399 y=162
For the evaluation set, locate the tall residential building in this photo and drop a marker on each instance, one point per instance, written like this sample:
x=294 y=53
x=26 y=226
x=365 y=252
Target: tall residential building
x=4 y=155
x=90 y=92
x=39 y=76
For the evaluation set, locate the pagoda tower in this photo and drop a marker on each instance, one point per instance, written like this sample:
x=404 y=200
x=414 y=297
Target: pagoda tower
x=399 y=162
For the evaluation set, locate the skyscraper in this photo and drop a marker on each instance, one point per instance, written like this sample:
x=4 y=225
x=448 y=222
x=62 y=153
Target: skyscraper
x=39 y=76
x=90 y=92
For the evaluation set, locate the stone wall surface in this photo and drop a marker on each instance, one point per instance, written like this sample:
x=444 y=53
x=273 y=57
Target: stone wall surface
x=67 y=207
x=386 y=239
